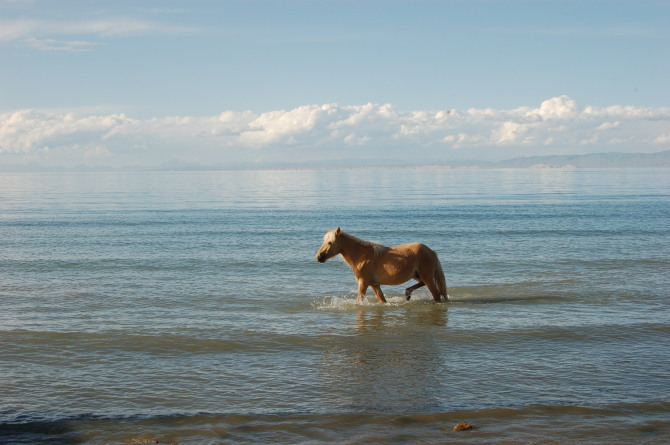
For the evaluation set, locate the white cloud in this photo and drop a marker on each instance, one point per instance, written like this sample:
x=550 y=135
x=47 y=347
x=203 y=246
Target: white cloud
x=284 y=126
x=509 y=132
x=115 y=26
x=97 y=151
x=557 y=108
x=558 y=125
x=46 y=34
x=608 y=125
x=17 y=29
x=59 y=45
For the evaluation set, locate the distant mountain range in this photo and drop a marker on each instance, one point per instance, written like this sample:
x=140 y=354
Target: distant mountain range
x=594 y=160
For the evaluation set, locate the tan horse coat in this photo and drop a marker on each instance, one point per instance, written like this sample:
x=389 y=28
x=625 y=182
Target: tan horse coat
x=374 y=264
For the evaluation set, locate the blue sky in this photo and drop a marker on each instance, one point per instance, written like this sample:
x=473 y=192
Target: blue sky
x=146 y=82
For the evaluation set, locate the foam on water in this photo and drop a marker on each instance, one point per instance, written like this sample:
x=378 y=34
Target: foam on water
x=503 y=293
x=350 y=302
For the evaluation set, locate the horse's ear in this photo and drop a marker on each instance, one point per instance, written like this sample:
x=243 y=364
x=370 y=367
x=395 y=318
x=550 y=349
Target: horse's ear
x=337 y=232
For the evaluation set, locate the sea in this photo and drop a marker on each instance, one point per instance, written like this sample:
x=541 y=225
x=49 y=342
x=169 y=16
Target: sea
x=186 y=307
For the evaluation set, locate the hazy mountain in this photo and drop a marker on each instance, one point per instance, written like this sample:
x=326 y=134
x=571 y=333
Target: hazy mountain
x=594 y=160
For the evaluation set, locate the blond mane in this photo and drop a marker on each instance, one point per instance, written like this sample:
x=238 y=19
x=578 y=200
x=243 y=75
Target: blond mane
x=377 y=248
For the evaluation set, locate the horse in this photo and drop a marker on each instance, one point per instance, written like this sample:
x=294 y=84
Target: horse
x=374 y=264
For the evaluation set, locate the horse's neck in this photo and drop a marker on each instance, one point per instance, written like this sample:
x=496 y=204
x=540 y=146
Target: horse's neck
x=354 y=253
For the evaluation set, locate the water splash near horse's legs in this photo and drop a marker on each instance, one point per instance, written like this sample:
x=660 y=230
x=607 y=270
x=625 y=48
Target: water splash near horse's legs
x=362 y=289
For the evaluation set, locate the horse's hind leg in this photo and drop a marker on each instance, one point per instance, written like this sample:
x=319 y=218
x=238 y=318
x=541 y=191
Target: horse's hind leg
x=409 y=290
x=434 y=291
x=378 y=292
x=427 y=272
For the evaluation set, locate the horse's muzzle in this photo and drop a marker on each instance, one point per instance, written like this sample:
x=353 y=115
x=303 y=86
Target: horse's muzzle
x=321 y=258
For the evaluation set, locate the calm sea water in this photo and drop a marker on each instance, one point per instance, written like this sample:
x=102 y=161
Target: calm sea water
x=187 y=307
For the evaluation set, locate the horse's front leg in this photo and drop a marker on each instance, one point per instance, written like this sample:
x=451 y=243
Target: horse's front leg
x=362 y=289
x=409 y=290
x=378 y=292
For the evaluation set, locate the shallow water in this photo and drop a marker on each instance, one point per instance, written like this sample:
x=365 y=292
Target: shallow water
x=186 y=307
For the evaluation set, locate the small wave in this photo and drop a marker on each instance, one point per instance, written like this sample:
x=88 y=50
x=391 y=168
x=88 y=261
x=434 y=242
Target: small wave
x=628 y=423
x=484 y=299
x=503 y=293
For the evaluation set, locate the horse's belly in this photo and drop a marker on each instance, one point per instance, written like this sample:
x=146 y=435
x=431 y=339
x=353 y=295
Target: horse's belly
x=398 y=265
x=395 y=274
x=394 y=281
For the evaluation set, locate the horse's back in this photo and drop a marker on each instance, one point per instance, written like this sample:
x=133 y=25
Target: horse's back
x=411 y=247
x=422 y=250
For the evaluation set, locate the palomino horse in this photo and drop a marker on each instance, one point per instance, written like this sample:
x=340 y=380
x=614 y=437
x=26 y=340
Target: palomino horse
x=374 y=264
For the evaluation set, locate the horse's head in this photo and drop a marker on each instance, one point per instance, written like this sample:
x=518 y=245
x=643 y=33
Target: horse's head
x=330 y=246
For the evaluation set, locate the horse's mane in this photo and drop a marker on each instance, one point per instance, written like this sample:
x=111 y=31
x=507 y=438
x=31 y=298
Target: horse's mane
x=378 y=248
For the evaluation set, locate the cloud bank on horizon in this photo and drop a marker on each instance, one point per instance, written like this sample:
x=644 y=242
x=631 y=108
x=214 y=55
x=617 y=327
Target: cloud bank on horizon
x=130 y=83
x=558 y=125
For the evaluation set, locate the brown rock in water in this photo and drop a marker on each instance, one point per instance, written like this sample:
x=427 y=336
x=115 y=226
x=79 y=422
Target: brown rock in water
x=463 y=426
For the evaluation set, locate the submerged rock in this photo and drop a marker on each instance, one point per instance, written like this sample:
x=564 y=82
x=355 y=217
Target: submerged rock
x=462 y=426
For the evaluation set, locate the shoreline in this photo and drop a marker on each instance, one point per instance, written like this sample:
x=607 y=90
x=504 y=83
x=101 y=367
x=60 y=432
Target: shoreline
x=619 y=423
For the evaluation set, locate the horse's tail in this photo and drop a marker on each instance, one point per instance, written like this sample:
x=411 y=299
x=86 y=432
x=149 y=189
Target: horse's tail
x=440 y=280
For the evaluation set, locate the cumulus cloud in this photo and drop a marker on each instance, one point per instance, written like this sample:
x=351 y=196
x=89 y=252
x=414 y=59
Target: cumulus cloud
x=27 y=130
x=556 y=108
x=557 y=125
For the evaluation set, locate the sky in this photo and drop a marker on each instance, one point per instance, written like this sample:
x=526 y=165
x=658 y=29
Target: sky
x=151 y=83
